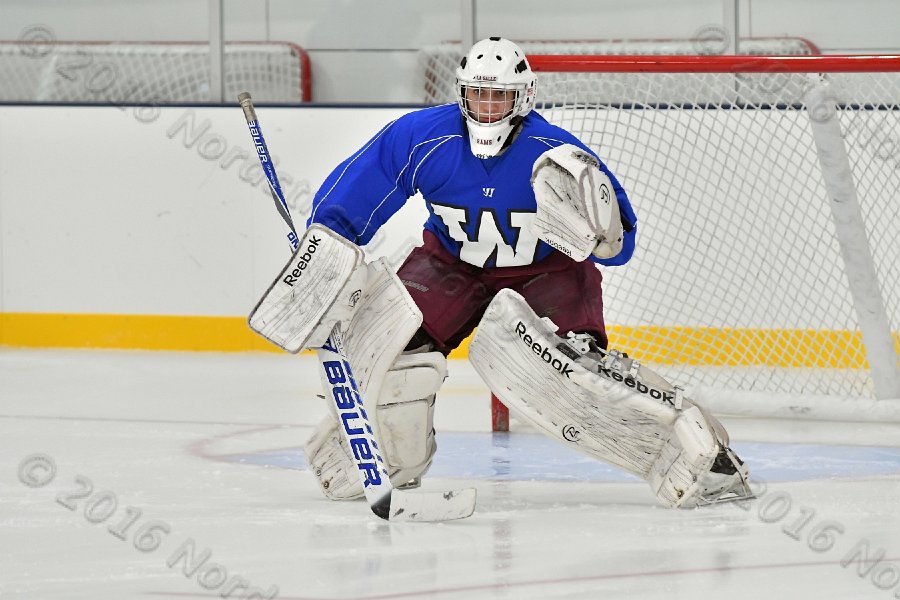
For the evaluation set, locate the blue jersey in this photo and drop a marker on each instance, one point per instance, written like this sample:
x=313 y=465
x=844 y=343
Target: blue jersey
x=480 y=209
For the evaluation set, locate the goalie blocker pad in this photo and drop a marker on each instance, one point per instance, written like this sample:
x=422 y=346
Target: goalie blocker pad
x=611 y=409
x=319 y=287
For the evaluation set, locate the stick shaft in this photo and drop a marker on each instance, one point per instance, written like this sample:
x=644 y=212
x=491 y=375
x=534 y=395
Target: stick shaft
x=332 y=358
x=268 y=166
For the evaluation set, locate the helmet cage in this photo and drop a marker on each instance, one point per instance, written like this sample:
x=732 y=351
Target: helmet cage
x=489 y=102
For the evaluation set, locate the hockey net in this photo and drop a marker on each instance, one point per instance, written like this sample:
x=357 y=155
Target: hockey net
x=150 y=72
x=437 y=63
x=766 y=278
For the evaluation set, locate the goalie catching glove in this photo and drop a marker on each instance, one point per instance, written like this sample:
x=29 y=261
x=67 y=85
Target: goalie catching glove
x=577 y=210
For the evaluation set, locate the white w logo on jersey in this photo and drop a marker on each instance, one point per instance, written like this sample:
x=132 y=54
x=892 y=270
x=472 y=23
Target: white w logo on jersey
x=488 y=192
x=488 y=239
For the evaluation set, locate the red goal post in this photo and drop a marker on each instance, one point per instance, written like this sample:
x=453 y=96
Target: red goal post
x=834 y=63
x=766 y=275
x=437 y=63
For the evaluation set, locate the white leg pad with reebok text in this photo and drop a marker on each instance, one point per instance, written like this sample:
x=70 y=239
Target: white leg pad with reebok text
x=516 y=354
x=615 y=410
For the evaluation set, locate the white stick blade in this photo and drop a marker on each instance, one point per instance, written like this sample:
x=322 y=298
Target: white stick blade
x=426 y=507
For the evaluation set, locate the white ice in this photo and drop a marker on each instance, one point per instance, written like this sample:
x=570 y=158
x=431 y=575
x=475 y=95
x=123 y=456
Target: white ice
x=204 y=451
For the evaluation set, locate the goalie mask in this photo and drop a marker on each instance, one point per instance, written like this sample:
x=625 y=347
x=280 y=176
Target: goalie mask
x=495 y=90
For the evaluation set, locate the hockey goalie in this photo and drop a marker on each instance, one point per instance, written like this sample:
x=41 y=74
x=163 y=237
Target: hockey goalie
x=520 y=213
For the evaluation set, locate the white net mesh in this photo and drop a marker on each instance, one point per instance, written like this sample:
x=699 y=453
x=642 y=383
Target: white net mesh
x=738 y=281
x=437 y=63
x=148 y=72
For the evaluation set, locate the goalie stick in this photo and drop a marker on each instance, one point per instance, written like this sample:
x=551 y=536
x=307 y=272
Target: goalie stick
x=385 y=501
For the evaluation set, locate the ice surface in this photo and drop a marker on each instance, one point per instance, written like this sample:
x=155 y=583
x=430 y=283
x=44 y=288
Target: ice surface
x=203 y=451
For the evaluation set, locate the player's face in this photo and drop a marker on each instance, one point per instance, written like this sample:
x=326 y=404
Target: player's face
x=489 y=105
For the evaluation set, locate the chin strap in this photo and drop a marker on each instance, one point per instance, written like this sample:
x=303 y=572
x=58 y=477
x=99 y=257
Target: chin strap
x=476 y=133
x=513 y=134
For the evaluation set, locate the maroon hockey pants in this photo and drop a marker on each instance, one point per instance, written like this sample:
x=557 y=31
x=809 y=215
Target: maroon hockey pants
x=453 y=295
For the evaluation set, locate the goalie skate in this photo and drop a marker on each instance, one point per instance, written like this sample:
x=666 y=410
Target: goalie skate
x=717 y=476
x=726 y=481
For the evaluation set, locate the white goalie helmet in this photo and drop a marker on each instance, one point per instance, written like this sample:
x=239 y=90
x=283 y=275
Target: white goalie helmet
x=495 y=90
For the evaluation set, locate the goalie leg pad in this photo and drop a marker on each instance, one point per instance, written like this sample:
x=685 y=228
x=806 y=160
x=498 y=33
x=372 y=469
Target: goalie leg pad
x=696 y=467
x=605 y=405
x=408 y=435
x=690 y=450
x=331 y=461
x=540 y=377
x=386 y=318
x=405 y=425
x=405 y=418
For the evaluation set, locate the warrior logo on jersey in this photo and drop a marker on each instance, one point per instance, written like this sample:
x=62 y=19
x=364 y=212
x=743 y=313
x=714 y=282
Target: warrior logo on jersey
x=488 y=192
x=485 y=245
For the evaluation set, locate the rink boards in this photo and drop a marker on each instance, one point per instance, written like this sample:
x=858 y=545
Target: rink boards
x=152 y=228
